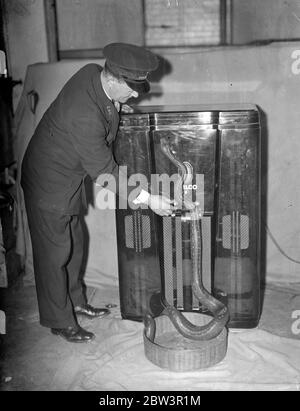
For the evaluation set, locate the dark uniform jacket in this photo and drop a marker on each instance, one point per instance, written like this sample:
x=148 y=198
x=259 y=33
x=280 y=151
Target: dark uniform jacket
x=73 y=139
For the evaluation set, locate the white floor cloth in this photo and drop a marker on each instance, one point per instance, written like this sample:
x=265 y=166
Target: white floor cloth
x=265 y=358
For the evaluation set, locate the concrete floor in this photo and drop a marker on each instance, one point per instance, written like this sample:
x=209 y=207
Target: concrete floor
x=22 y=368
x=31 y=358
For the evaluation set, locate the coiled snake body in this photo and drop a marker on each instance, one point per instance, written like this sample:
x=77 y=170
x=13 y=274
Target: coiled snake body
x=216 y=307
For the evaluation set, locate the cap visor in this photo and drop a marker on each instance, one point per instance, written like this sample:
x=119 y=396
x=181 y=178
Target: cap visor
x=142 y=87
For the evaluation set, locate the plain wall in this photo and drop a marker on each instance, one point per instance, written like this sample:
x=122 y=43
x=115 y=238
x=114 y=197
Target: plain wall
x=257 y=20
x=94 y=23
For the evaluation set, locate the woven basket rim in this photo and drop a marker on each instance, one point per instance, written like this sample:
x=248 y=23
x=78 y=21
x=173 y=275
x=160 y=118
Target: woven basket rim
x=186 y=359
x=221 y=337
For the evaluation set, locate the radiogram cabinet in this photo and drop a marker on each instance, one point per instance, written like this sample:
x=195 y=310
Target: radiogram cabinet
x=222 y=146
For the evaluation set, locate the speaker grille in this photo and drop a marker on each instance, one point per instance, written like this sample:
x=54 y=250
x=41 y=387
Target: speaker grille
x=235 y=231
x=137 y=231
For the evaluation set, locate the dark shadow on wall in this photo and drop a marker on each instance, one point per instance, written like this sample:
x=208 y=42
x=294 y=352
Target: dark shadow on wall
x=164 y=68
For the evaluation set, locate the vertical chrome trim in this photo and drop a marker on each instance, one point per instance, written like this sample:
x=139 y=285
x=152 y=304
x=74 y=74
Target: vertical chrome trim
x=179 y=272
x=168 y=259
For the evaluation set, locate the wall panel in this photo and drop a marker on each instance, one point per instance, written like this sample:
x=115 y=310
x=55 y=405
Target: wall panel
x=87 y=25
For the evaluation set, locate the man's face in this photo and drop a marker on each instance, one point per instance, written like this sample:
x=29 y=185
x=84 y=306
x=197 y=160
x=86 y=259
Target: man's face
x=122 y=92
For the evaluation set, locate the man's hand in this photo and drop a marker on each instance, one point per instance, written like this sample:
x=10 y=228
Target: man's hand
x=161 y=205
x=126 y=109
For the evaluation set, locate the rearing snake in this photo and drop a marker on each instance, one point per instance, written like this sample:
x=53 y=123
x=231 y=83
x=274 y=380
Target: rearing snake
x=216 y=308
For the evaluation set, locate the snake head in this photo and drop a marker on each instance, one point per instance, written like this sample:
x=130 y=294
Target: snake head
x=150 y=327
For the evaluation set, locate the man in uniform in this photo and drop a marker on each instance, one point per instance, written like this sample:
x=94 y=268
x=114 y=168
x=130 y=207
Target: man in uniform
x=73 y=140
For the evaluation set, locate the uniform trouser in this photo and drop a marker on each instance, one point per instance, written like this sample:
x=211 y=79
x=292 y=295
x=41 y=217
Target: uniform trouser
x=57 y=245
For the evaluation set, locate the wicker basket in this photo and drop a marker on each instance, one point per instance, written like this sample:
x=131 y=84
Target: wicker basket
x=172 y=351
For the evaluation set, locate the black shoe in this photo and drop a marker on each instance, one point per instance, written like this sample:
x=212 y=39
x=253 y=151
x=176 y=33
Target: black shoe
x=90 y=311
x=74 y=334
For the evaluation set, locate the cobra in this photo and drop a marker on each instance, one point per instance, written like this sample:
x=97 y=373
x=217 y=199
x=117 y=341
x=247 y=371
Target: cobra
x=217 y=308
